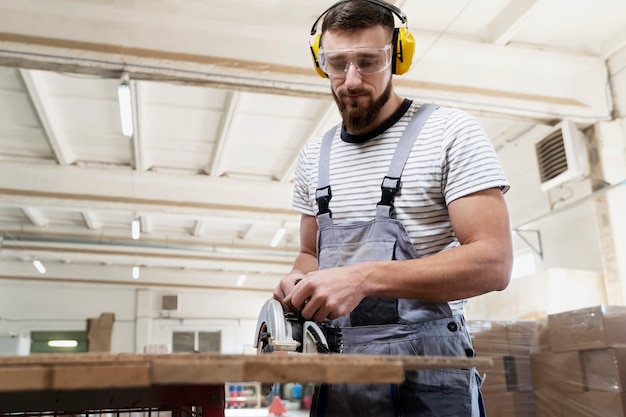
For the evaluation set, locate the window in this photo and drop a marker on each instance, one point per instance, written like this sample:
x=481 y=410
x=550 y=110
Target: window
x=208 y=342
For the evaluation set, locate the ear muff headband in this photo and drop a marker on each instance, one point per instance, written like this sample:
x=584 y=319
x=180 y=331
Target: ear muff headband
x=403 y=41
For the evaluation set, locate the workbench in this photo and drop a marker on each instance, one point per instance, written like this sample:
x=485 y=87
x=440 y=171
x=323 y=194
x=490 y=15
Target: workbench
x=185 y=384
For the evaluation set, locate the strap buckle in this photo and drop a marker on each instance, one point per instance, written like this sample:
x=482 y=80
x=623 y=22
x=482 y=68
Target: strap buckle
x=323 y=196
x=389 y=187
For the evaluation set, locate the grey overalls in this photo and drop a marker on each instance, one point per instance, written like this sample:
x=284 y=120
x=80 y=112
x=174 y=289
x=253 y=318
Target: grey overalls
x=391 y=326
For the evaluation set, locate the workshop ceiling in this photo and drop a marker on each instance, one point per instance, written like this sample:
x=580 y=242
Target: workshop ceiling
x=224 y=97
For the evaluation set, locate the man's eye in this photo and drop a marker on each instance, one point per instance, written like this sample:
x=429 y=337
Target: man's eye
x=367 y=63
x=337 y=64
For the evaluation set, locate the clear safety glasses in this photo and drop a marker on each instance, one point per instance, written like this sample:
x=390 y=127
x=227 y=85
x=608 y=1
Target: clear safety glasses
x=336 y=62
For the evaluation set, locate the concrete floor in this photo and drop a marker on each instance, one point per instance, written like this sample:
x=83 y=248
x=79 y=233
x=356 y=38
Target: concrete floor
x=262 y=412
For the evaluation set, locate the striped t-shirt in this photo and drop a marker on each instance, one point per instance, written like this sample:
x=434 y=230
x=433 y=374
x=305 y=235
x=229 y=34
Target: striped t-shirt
x=451 y=158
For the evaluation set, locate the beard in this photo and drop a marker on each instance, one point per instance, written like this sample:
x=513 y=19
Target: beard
x=357 y=118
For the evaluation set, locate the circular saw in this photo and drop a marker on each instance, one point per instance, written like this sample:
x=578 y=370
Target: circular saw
x=280 y=331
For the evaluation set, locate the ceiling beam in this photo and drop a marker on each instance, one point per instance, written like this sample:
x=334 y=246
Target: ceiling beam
x=194 y=256
x=198 y=227
x=138 y=192
x=506 y=25
x=35 y=216
x=91 y=220
x=614 y=44
x=460 y=81
x=215 y=166
x=34 y=86
x=146 y=223
x=153 y=276
x=322 y=121
x=245 y=234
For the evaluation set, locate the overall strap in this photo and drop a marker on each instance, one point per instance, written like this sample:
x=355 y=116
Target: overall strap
x=391 y=183
x=323 y=194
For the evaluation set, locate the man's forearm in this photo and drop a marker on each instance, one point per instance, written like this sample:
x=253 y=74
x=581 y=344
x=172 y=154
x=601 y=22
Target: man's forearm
x=305 y=263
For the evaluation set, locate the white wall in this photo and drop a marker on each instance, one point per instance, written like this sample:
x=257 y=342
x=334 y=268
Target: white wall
x=14 y=344
x=564 y=219
x=536 y=295
x=139 y=320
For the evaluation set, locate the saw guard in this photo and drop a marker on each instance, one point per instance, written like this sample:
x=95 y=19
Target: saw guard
x=272 y=321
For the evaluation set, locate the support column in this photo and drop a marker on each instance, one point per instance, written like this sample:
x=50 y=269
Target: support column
x=608 y=169
x=143 y=319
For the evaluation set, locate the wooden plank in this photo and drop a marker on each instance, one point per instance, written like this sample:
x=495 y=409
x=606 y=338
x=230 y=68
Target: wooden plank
x=25 y=378
x=196 y=371
x=76 y=358
x=390 y=372
x=93 y=371
x=282 y=371
x=322 y=368
x=91 y=376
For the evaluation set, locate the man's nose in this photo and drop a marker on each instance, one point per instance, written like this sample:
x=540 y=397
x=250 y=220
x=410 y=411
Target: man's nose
x=353 y=76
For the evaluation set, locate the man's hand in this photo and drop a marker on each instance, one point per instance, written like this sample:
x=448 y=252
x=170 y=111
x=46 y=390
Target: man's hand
x=328 y=294
x=286 y=287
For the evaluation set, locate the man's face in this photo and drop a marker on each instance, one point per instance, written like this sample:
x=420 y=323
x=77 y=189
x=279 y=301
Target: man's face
x=359 y=95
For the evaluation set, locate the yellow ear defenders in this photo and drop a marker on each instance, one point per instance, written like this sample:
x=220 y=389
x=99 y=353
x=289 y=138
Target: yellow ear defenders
x=403 y=41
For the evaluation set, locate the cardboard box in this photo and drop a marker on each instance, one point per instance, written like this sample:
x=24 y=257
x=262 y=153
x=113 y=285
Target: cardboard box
x=541 y=339
x=523 y=374
x=99 y=333
x=559 y=372
x=509 y=404
x=604 y=369
x=594 y=404
x=547 y=403
x=489 y=338
x=510 y=337
x=589 y=328
x=495 y=376
x=508 y=373
x=520 y=336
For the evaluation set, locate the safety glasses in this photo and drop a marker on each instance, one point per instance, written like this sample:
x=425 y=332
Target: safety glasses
x=336 y=62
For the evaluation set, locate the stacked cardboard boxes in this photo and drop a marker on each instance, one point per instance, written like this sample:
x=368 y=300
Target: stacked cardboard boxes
x=507 y=387
x=578 y=363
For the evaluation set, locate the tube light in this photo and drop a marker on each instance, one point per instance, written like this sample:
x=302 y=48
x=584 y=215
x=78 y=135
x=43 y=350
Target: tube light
x=277 y=237
x=126 y=108
x=241 y=280
x=135 y=229
x=39 y=266
x=135 y=272
x=63 y=343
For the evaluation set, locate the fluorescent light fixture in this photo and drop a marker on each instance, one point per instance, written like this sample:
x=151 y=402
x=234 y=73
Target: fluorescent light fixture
x=39 y=266
x=63 y=343
x=241 y=280
x=135 y=229
x=135 y=272
x=277 y=237
x=126 y=107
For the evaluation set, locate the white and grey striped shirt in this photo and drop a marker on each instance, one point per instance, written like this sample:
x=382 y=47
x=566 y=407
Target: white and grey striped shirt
x=451 y=158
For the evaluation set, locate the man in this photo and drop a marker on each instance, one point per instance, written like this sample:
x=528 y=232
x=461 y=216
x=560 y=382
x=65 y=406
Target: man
x=393 y=268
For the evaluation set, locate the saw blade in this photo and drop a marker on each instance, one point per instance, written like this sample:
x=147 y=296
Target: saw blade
x=274 y=332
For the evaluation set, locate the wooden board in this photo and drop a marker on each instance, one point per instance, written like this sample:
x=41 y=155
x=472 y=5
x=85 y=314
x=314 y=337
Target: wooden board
x=96 y=371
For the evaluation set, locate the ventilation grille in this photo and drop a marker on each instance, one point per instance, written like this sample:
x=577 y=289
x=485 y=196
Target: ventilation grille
x=562 y=156
x=169 y=302
x=551 y=156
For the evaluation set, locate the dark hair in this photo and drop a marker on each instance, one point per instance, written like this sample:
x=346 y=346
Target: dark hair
x=357 y=14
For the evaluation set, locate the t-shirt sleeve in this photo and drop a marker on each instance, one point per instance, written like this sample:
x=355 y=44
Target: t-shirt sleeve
x=469 y=160
x=302 y=201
